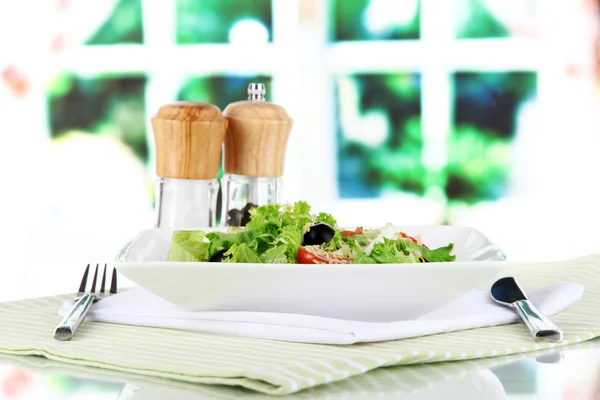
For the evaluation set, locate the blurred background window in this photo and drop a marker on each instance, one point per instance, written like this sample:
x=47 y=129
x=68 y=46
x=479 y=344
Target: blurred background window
x=466 y=112
x=223 y=21
x=375 y=19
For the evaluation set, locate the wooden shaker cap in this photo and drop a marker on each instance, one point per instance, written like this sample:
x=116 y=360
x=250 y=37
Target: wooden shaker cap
x=256 y=140
x=188 y=137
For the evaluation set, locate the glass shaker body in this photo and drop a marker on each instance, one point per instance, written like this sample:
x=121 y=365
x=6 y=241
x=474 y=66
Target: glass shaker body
x=241 y=193
x=186 y=203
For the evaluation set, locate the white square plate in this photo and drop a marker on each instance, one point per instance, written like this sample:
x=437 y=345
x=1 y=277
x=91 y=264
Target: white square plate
x=368 y=292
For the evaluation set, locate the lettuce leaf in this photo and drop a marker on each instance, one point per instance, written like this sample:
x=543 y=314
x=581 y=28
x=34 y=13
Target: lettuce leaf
x=222 y=240
x=189 y=246
x=326 y=218
x=398 y=251
x=275 y=255
x=362 y=258
x=241 y=253
x=390 y=252
x=441 y=254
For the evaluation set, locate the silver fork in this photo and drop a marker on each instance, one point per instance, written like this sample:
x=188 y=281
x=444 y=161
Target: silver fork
x=84 y=299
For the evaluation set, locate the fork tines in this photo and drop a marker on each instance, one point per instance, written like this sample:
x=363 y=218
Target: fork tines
x=113 y=282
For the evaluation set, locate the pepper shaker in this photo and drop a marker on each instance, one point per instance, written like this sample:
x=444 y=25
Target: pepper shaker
x=189 y=138
x=254 y=155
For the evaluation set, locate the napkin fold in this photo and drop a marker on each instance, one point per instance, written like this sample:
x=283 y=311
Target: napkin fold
x=475 y=309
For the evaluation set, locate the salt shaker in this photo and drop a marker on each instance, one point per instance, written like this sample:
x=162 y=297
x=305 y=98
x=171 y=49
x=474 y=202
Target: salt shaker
x=254 y=155
x=189 y=138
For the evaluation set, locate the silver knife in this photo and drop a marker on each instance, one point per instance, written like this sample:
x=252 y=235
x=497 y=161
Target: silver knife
x=506 y=291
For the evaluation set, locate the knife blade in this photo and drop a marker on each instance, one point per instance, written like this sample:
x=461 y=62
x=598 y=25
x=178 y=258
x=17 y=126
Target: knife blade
x=507 y=292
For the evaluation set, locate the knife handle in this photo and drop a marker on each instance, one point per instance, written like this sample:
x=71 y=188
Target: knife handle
x=540 y=327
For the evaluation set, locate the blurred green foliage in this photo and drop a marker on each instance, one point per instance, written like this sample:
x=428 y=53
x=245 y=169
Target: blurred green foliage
x=105 y=104
x=478 y=165
x=123 y=26
x=209 y=21
x=478 y=147
x=346 y=23
x=489 y=101
x=485 y=111
x=475 y=20
x=363 y=170
x=401 y=168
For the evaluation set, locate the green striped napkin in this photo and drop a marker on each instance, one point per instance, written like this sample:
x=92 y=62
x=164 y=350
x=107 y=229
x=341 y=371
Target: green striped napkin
x=390 y=382
x=278 y=368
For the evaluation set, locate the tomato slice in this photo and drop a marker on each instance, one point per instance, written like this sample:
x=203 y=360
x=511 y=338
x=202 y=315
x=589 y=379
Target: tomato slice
x=412 y=239
x=357 y=231
x=316 y=255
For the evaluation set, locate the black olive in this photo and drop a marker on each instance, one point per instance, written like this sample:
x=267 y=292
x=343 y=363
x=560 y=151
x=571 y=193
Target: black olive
x=320 y=233
x=241 y=217
x=220 y=256
x=246 y=213
x=234 y=217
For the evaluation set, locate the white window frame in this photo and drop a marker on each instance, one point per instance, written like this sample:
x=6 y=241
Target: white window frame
x=303 y=65
x=436 y=56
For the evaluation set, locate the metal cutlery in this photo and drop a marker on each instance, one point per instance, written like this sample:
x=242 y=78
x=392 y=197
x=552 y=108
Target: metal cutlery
x=506 y=291
x=83 y=301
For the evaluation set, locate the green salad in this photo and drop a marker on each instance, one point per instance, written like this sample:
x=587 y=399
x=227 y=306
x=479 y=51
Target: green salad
x=290 y=234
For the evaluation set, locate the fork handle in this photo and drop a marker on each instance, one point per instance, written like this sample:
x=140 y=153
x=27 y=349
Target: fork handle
x=70 y=323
